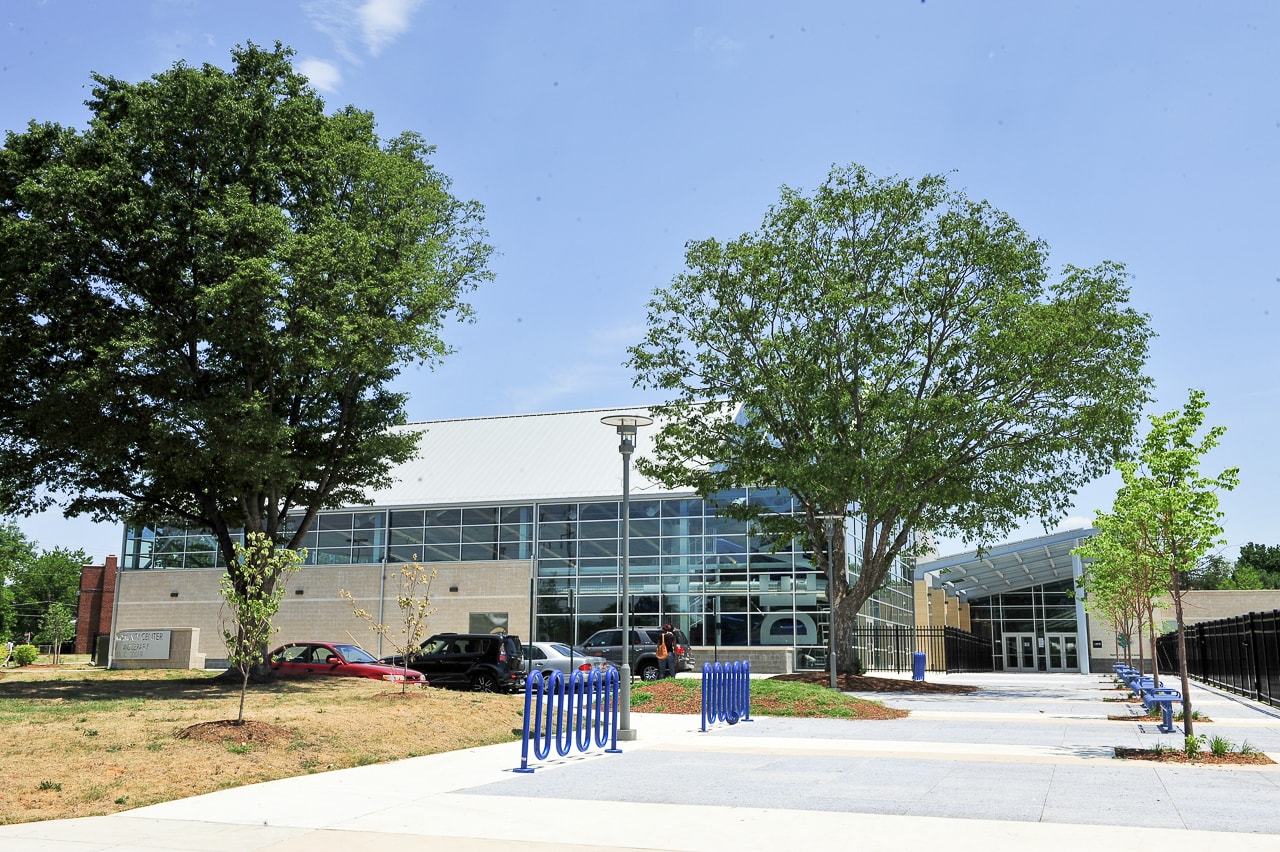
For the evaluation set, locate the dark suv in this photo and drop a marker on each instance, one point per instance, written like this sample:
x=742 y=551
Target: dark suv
x=644 y=648
x=481 y=662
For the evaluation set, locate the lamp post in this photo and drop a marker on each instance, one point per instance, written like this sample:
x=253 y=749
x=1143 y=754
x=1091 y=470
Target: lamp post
x=626 y=424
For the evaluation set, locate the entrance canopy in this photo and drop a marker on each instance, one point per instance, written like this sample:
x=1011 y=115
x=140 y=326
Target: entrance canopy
x=1007 y=567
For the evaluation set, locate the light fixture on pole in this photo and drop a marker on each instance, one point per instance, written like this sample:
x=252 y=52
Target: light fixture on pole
x=626 y=424
x=830 y=522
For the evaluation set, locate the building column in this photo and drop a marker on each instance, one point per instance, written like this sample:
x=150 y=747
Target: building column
x=1082 y=622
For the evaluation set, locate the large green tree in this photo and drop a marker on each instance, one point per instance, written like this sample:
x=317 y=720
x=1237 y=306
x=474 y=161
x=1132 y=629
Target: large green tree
x=53 y=577
x=206 y=294
x=31 y=581
x=1262 y=560
x=901 y=354
x=1165 y=517
x=17 y=553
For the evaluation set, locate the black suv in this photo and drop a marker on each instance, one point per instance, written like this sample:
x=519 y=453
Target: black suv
x=644 y=650
x=481 y=662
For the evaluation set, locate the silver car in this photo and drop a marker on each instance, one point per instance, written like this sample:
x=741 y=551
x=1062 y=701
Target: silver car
x=547 y=657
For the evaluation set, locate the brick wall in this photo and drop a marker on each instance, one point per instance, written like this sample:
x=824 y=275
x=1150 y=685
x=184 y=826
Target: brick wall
x=97 y=595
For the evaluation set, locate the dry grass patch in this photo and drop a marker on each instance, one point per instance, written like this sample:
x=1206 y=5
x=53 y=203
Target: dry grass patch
x=90 y=742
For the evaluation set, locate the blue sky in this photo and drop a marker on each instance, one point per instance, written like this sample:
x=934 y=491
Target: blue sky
x=601 y=137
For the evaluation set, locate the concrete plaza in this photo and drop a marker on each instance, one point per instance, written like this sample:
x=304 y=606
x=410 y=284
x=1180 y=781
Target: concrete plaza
x=1025 y=762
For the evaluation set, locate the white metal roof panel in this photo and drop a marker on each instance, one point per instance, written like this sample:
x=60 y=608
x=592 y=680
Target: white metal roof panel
x=1006 y=567
x=518 y=458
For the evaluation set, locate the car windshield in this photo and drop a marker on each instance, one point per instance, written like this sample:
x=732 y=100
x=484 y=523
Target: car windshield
x=354 y=654
x=563 y=650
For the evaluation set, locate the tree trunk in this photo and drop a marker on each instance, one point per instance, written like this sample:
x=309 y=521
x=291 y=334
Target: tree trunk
x=1141 y=658
x=1188 y=721
x=244 y=687
x=1155 y=661
x=844 y=606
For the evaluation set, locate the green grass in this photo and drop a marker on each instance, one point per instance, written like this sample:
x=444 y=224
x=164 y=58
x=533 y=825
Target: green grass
x=769 y=697
x=808 y=700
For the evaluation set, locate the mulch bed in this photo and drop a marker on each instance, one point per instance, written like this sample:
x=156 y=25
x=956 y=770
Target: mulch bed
x=863 y=683
x=228 y=731
x=1234 y=758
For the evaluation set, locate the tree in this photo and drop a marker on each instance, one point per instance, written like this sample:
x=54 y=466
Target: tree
x=1122 y=586
x=1211 y=573
x=57 y=626
x=1216 y=572
x=1264 y=560
x=38 y=583
x=414 y=601
x=16 y=554
x=899 y=355
x=1166 y=516
x=252 y=589
x=206 y=294
x=1114 y=590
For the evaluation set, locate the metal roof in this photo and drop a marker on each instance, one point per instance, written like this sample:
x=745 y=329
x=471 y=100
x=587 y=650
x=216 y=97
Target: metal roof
x=1006 y=567
x=519 y=458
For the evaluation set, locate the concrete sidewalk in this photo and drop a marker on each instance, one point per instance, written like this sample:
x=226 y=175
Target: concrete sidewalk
x=1024 y=762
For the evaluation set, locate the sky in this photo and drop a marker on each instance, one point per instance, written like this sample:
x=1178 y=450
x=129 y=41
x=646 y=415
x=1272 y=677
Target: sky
x=601 y=137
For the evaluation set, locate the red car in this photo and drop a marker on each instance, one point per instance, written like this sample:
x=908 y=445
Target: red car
x=301 y=659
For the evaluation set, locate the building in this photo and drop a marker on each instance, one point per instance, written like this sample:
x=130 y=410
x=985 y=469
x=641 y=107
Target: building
x=1021 y=597
x=520 y=517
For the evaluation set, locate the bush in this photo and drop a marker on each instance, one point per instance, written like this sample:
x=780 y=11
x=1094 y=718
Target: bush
x=25 y=655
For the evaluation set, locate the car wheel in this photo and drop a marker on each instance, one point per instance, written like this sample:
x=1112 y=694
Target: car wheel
x=484 y=683
x=649 y=670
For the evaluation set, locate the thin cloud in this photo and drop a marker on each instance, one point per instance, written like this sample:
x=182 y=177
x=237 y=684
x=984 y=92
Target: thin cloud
x=724 y=50
x=377 y=23
x=384 y=21
x=325 y=76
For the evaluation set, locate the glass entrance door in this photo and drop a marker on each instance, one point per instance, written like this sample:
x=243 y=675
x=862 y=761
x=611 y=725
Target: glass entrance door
x=1019 y=652
x=1062 y=652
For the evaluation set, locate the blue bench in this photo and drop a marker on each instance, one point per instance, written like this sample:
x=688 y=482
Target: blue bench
x=1163 y=697
x=1138 y=683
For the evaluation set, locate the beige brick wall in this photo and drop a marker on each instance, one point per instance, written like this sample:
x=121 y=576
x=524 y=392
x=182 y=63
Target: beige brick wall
x=935 y=608
x=1197 y=606
x=146 y=601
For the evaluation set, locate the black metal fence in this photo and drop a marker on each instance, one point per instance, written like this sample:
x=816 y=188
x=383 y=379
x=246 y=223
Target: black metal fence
x=1240 y=654
x=892 y=647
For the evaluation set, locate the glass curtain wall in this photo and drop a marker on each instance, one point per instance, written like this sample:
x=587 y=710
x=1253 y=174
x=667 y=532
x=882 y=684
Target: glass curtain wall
x=1031 y=629
x=723 y=582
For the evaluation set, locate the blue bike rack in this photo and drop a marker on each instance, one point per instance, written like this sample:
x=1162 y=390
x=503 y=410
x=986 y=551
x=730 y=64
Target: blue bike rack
x=726 y=693
x=579 y=712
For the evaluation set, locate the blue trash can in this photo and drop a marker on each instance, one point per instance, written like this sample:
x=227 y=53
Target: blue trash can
x=917 y=666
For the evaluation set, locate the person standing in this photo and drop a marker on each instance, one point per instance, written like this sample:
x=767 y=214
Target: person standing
x=8 y=652
x=667 y=652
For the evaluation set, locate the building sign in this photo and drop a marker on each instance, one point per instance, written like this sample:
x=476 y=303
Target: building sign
x=142 y=645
